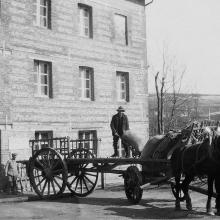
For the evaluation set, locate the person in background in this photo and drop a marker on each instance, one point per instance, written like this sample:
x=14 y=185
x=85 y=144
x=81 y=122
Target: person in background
x=119 y=124
x=11 y=171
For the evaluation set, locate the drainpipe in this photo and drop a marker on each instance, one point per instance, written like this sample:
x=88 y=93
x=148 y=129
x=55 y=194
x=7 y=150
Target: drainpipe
x=148 y=3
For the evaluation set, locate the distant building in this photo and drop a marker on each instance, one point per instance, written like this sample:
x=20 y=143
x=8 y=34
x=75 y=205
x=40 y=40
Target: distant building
x=65 y=66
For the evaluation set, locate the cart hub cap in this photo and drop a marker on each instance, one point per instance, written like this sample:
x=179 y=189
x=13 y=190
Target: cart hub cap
x=48 y=173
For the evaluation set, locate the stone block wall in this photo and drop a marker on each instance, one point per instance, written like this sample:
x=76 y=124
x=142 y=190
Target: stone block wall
x=65 y=113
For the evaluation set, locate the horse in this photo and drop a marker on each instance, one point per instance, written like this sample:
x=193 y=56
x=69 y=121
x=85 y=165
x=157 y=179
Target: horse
x=198 y=160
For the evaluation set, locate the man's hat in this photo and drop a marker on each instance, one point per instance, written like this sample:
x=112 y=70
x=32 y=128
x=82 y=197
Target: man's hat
x=120 y=109
x=14 y=154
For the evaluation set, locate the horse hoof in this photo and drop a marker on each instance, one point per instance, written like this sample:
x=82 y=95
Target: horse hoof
x=209 y=211
x=217 y=213
x=177 y=206
x=189 y=207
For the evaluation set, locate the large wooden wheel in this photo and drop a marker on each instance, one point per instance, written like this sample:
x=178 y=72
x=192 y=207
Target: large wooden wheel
x=132 y=183
x=82 y=178
x=48 y=173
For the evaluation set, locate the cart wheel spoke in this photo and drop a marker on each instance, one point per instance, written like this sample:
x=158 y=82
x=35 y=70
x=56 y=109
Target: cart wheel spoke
x=57 y=183
x=88 y=180
x=85 y=184
x=52 y=183
x=58 y=177
x=81 y=186
x=38 y=176
x=45 y=183
x=77 y=182
x=41 y=181
x=57 y=171
x=70 y=184
x=48 y=192
x=90 y=174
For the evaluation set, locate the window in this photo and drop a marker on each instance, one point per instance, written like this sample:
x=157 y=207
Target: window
x=42 y=13
x=87 y=83
x=85 y=21
x=90 y=140
x=122 y=86
x=121 y=29
x=43 y=78
x=43 y=136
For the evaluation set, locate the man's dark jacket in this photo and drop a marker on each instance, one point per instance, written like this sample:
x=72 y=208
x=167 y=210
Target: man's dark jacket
x=115 y=124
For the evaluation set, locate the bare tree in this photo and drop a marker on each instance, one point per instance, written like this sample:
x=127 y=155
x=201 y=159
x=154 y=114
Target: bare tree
x=173 y=107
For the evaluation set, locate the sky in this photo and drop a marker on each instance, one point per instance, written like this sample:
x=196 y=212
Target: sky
x=189 y=33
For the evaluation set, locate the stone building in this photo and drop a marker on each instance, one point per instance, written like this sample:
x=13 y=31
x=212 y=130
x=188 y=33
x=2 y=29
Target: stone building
x=65 y=67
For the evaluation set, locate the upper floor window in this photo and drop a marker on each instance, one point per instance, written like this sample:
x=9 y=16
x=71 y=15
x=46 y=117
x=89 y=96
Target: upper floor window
x=121 y=35
x=122 y=86
x=87 y=83
x=85 y=21
x=42 y=13
x=43 y=78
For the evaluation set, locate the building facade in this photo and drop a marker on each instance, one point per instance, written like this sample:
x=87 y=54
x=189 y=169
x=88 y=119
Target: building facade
x=65 y=67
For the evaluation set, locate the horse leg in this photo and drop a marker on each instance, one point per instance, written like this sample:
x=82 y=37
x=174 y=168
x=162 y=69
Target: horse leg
x=178 y=188
x=210 y=193
x=185 y=188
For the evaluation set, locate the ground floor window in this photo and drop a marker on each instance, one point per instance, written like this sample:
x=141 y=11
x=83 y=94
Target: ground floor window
x=90 y=140
x=44 y=138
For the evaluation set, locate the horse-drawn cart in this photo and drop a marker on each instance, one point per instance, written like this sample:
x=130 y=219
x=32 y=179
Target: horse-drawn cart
x=56 y=165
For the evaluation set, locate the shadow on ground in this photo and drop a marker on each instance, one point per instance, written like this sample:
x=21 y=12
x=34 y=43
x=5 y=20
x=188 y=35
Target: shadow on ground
x=146 y=209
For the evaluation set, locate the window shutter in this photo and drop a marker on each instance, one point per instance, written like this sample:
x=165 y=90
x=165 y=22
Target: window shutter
x=90 y=22
x=50 y=81
x=49 y=14
x=92 y=85
x=95 y=142
x=127 y=87
x=129 y=30
x=126 y=30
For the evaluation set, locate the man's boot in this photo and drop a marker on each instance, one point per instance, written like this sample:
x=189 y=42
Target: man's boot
x=115 y=152
x=126 y=148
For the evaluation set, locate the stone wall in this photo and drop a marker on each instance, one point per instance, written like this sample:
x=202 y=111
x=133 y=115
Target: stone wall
x=65 y=113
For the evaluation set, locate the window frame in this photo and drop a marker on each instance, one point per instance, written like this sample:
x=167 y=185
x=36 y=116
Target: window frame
x=47 y=143
x=83 y=7
x=124 y=39
x=83 y=83
x=119 y=85
x=38 y=79
x=38 y=16
x=93 y=143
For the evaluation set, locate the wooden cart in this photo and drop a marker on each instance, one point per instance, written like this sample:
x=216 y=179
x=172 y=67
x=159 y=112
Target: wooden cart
x=60 y=163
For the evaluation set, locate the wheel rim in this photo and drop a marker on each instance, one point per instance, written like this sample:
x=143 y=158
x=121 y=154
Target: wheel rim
x=83 y=178
x=48 y=173
x=132 y=183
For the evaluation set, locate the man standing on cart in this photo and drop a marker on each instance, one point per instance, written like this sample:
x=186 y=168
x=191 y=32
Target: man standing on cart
x=119 y=124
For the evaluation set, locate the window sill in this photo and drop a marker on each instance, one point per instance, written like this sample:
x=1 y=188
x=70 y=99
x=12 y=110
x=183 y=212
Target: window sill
x=42 y=96
x=122 y=101
x=86 y=100
x=85 y=37
x=42 y=27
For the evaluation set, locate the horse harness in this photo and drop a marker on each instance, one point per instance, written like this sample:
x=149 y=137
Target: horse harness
x=197 y=160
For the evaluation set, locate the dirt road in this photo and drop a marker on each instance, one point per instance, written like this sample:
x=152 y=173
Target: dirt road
x=107 y=204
